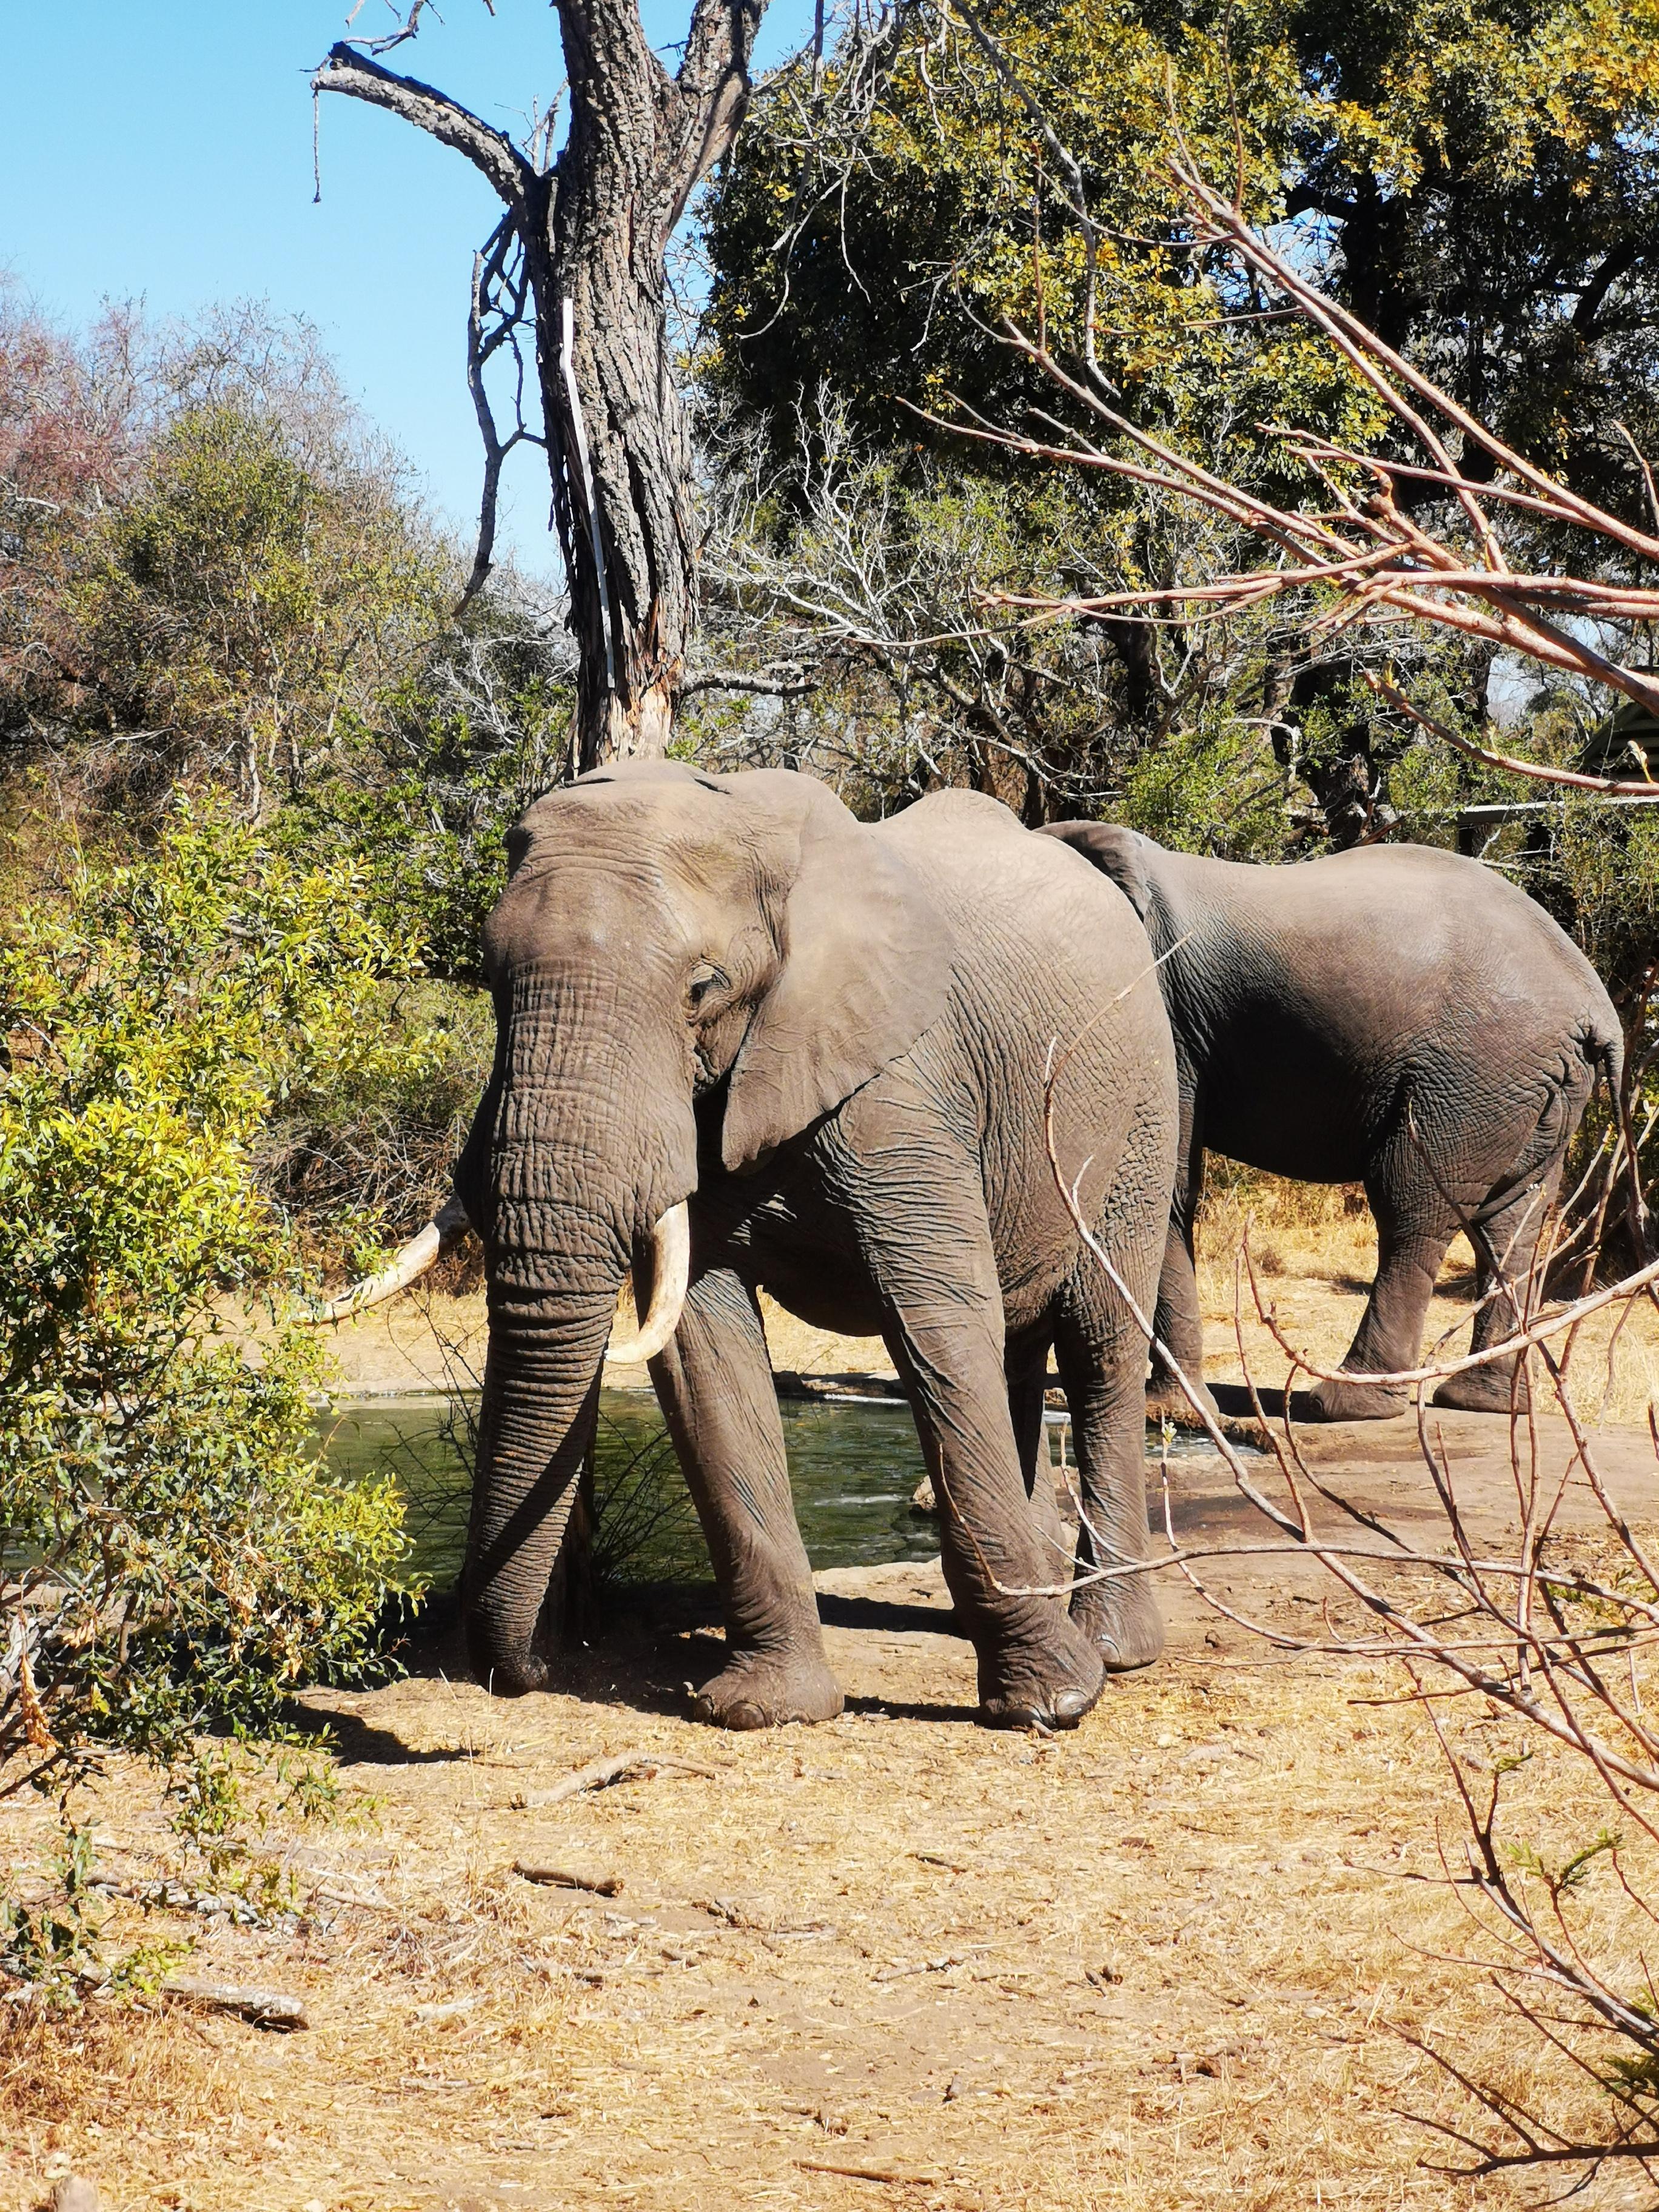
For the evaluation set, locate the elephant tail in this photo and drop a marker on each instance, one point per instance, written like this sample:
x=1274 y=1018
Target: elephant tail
x=1603 y=1043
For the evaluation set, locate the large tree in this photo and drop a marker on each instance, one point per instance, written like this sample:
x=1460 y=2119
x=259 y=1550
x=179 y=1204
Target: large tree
x=581 y=253
x=1477 y=177
x=583 y=245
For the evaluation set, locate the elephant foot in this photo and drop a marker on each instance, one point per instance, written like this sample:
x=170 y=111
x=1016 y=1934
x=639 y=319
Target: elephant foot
x=1167 y=1402
x=1050 y=1685
x=1122 y=1620
x=1357 y=1401
x=517 y=1677
x=1485 y=1391
x=759 y=1689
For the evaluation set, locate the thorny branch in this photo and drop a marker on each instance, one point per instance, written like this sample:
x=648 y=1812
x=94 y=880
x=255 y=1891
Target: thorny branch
x=1531 y=1632
x=1379 y=563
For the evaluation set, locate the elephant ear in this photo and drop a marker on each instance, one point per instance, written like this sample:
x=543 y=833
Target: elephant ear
x=865 y=969
x=1116 y=852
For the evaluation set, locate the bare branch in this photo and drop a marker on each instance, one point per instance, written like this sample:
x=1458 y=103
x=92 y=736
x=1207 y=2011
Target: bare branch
x=490 y=151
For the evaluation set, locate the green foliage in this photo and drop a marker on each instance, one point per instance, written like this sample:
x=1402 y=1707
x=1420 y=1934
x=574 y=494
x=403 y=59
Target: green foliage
x=880 y=245
x=210 y=562
x=1489 y=176
x=424 y=781
x=170 y=1536
x=1478 y=184
x=1214 y=787
x=233 y=606
x=55 y=1945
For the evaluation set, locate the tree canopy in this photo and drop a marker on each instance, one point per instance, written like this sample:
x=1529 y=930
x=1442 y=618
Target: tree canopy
x=1477 y=182
x=1481 y=181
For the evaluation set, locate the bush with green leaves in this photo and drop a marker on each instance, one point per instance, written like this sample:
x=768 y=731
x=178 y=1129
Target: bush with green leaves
x=423 y=780
x=212 y=558
x=173 y=1553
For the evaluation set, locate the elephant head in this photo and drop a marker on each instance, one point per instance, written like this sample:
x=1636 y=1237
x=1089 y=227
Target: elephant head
x=666 y=937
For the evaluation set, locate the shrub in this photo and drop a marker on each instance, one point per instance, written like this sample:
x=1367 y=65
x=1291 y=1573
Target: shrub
x=173 y=1552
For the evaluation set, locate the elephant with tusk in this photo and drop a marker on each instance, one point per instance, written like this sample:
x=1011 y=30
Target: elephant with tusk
x=745 y=1041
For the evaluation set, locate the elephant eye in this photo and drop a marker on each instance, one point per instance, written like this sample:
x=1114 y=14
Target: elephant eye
x=705 y=979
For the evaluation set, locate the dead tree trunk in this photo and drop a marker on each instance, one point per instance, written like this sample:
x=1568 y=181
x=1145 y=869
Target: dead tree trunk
x=593 y=230
x=583 y=247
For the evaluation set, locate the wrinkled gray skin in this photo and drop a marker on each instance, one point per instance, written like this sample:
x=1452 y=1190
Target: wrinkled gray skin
x=831 y=1039
x=1396 y=1016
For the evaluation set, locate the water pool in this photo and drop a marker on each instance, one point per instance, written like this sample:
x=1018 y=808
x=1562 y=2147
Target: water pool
x=854 y=1467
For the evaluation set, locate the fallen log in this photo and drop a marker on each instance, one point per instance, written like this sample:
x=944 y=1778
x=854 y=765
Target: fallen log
x=603 y=1885
x=264 y=2007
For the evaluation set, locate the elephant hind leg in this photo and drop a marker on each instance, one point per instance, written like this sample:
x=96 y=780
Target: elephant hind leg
x=1100 y=1351
x=1103 y=1355
x=1413 y=1228
x=944 y=1327
x=1505 y=1235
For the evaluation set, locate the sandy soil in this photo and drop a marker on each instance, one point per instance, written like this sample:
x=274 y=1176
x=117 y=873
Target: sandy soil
x=1164 y=1962
x=1175 y=1959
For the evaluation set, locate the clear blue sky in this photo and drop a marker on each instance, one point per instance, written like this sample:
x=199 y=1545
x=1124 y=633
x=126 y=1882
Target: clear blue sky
x=160 y=150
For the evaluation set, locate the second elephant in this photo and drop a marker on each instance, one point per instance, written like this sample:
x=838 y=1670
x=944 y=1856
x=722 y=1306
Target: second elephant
x=1394 y=1015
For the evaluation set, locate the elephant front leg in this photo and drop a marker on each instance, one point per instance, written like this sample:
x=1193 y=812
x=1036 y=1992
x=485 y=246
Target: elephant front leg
x=714 y=1385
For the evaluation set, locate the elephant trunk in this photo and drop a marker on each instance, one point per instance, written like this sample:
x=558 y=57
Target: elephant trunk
x=540 y=1403
x=581 y=1154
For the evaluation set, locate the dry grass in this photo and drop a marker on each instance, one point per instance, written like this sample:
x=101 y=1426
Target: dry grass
x=1154 y=1965
x=1159 y=1964
x=1315 y=1249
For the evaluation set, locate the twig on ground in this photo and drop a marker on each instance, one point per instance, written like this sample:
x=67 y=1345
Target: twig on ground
x=887 y=2173
x=626 y=1766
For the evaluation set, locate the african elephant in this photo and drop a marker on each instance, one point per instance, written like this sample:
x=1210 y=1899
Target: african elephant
x=743 y=1042
x=1394 y=1016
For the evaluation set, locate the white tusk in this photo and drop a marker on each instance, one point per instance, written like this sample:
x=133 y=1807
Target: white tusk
x=670 y=1271
x=447 y=1228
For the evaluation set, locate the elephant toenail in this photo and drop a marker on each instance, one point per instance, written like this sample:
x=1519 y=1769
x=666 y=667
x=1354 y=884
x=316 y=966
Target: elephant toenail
x=1070 y=1706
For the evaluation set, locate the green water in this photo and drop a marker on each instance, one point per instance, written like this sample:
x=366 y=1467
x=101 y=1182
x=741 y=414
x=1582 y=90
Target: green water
x=853 y=1467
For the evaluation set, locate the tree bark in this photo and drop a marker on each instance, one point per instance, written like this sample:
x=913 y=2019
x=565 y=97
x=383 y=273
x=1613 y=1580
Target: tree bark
x=595 y=230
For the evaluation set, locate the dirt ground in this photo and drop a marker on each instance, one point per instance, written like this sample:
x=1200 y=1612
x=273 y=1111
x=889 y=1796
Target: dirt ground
x=1174 y=1959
